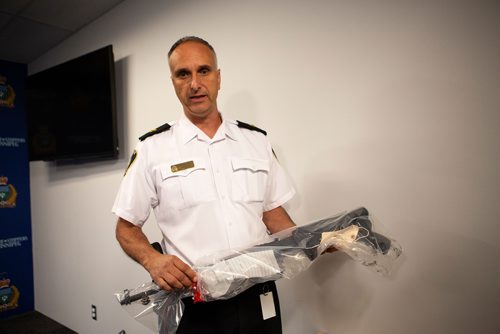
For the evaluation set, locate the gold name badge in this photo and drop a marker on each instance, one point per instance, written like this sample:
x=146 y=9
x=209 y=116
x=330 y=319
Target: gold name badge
x=182 y=166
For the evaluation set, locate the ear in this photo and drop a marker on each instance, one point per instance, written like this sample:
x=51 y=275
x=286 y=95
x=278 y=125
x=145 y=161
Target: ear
x=218 y=79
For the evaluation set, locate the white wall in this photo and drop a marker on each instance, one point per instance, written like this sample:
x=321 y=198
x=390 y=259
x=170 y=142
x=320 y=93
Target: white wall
x=393 y=105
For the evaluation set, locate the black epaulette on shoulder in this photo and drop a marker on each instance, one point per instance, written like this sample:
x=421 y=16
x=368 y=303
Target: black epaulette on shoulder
x=153 y=132
x=250 y=127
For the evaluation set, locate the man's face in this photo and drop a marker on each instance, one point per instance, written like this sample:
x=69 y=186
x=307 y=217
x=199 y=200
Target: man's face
x=196 y=79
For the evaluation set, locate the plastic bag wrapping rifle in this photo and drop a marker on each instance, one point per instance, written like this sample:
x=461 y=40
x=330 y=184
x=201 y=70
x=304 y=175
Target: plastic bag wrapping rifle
x=285 y=254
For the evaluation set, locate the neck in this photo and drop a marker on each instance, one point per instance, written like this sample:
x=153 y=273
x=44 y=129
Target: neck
x=209 y=124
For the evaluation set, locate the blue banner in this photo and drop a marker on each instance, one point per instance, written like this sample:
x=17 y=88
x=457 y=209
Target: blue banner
x=16 y=259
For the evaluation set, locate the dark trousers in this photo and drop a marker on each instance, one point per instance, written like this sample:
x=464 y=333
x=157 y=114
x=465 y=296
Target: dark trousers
x=239 y=315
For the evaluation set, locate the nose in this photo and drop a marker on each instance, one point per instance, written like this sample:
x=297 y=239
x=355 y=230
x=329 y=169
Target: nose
x=195 y=84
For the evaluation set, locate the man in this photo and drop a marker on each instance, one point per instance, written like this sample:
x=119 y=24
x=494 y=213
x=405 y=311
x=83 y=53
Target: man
x=213 y=184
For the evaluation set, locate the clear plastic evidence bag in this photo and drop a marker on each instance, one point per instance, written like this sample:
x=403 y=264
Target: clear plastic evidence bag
x=225 y=274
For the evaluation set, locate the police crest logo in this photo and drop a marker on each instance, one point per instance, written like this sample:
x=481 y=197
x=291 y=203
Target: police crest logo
x=8 y=193
x=7 y=93
x=9 y=295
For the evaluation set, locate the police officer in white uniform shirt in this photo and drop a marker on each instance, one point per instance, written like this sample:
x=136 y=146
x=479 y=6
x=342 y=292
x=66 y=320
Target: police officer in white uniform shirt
x=213 y=184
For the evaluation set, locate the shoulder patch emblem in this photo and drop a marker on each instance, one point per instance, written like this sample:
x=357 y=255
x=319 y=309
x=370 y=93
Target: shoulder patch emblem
x=250 y=127
x=153 y=132
x=132 y=159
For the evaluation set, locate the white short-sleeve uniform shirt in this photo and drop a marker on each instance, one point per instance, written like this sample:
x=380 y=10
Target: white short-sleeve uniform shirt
x=208 y=194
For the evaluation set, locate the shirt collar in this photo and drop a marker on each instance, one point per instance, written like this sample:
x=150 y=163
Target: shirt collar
x=230 y=125
x=188 y=131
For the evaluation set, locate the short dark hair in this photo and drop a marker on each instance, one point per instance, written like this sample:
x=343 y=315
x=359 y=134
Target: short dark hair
x=190 y=39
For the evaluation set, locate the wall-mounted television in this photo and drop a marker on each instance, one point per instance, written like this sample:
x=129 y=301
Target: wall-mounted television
x=71 y=109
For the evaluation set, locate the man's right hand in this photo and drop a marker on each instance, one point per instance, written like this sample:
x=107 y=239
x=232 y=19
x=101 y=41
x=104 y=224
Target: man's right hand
x=169 y=272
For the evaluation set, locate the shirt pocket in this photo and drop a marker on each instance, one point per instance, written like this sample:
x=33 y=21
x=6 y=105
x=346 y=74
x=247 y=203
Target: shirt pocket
x=186 y=183
x=249 y=179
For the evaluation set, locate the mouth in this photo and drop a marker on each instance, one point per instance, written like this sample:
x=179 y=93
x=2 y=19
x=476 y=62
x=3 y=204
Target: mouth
x=197 y=98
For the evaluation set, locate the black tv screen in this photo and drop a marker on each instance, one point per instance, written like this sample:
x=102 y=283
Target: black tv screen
x=71 y=109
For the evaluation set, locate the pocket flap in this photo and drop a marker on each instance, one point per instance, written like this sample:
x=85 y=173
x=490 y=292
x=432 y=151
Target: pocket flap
x=250 y=164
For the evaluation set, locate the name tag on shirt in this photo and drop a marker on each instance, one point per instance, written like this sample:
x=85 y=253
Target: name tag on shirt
x=182 y=166
x=267 y=305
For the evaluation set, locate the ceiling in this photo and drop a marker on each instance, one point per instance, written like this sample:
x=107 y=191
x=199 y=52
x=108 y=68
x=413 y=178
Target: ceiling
x=29 y=28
